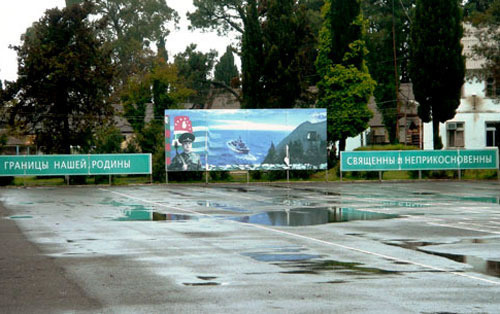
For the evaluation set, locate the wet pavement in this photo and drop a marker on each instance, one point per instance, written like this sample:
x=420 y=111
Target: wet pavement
x=422 y=247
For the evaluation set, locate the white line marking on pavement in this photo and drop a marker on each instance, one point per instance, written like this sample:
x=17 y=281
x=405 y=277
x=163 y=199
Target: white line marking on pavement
x=311 y=239
x=449 y=225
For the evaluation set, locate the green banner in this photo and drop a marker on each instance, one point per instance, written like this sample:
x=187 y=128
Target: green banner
x=419 y=160
x=51 y=165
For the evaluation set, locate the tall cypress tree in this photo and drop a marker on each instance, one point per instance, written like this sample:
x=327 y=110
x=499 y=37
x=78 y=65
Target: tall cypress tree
x=251 y=58
x=282 y=39
x=226 y=70
x=386 y=48
x=437 y=66
x=345 y=84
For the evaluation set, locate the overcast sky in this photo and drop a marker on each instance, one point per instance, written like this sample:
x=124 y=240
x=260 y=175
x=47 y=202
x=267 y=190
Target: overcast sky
x=17 y=15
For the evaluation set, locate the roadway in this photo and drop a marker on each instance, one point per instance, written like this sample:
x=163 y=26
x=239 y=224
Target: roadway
x=420 y=247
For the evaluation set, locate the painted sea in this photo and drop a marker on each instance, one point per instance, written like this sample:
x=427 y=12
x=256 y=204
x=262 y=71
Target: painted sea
x=222 y=157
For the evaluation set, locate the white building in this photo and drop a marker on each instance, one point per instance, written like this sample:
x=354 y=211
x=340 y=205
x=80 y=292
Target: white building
x=476 y=124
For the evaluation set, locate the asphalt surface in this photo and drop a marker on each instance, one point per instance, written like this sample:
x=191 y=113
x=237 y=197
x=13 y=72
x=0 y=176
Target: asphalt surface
x=421 y=247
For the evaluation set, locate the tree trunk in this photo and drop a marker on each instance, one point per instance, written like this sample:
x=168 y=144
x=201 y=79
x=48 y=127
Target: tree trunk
x=435 y=135
x=341 y=145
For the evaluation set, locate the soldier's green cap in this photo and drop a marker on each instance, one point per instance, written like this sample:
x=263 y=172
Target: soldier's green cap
x=186 y=137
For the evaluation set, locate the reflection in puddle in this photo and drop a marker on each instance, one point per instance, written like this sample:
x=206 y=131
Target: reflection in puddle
x=310 y=264
x=318 y=266
x=269 y=257
x=311 y=216
x=148 y=215
x=406 y=204
x=478 y=264
x=424 y=193
x=20 y=217
x=291 y=202
x=481 y=199
x=194 y=284
x=222 y=206
x=318 y=191
x=138 y=212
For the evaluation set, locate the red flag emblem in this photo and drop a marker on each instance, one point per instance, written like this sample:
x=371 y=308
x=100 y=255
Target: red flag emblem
x=182 y=124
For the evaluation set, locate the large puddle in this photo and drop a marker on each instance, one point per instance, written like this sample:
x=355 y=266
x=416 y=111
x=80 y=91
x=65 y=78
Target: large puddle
x=311 y=216
x=478 y=264
x=294 y=217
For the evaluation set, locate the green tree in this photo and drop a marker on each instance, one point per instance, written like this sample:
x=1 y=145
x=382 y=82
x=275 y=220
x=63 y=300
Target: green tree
x=487 y=18
x=345 y=84
x=161 y=87
x=195 y=67
x=65 y=76
x=164 y=89
x=73 y=2
x=387 y=40
x=263 y=48
x=271 y=156
x=131 y=27
x=472 y=7
x=4 y=180
x=437 y=67
x=107 y=140
x=252 y=59
x=226 y=70
x=283 y=33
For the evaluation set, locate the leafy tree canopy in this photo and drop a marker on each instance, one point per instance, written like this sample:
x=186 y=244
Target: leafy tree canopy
x=487 y=18
x=345 y=84
x=194 y=68
x=161 y=86
x=277 y=45
x=131 y=27
x=64 y=80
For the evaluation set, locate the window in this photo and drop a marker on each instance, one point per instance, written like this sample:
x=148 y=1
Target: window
x=492 y=88
x=492 y=134
x=455 y=134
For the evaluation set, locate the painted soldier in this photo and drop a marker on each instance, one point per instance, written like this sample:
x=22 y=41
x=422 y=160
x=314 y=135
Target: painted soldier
x=187 y=160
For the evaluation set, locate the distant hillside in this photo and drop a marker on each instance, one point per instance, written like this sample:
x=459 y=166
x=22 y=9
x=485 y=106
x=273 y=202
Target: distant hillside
x=300 y=134
x=307 y=144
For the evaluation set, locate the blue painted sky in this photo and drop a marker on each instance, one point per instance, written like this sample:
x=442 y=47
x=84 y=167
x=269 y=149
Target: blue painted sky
x=241 y=119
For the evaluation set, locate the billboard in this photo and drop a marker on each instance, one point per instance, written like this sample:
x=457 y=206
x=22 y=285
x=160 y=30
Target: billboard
x=245 y=139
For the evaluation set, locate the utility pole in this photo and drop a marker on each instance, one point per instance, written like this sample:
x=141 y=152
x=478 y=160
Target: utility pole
x=396 y=78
